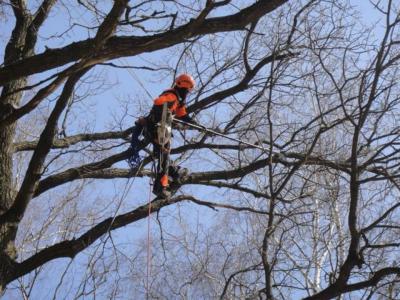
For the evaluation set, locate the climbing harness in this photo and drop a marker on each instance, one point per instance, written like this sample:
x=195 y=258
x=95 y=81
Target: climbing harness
x=205 y=129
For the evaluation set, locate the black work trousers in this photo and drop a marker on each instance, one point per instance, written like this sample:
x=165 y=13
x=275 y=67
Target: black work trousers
x=165 y=167
x=163 y=162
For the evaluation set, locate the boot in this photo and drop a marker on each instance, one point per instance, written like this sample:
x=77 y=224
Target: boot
x=161 y=190
x=178 y=174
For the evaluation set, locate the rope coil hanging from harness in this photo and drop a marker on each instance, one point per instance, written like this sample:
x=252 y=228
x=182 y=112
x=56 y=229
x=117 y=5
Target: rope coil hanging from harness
x=134 y=158
x=164 y=134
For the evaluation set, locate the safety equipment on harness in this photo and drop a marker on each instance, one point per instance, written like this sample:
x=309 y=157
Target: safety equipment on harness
x=185 y=81
x=164 y=127
x=134 y=158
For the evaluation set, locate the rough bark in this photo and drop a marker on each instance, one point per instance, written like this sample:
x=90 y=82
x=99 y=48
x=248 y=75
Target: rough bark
x=21 y=46
x=15 y=50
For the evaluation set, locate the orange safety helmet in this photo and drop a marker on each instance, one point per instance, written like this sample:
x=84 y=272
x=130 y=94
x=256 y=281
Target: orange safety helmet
x=185 y=81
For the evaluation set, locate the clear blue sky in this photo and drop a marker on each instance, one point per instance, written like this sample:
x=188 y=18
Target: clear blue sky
x=128 y=87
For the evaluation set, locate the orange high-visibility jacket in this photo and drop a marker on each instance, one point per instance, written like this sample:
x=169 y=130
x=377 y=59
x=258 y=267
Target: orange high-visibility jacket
x=171 y=97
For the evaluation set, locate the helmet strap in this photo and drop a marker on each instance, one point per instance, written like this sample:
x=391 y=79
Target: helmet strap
x=182 y=92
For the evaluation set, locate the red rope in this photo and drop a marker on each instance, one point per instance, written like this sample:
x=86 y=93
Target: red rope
x=148 y=247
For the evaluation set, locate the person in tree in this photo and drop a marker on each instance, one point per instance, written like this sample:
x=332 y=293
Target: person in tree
x=157 y=128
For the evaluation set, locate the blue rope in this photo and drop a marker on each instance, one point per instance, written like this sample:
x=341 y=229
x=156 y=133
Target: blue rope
x=135 y=159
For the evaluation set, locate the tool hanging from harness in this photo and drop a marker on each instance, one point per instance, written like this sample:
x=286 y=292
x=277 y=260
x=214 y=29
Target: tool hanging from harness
x=157 y=126
x=160 y=133
x=164 y=127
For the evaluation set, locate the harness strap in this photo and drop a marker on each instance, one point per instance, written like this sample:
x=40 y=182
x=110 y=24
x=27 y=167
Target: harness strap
x=173 y=91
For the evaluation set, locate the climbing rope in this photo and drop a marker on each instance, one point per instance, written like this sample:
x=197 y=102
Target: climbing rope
x=148 y=270
x=134 y=76
x=148 y=264
x=127 y=187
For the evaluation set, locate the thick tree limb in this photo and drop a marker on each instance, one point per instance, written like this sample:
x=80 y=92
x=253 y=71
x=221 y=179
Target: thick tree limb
x=86 y=171
x=38 y=19
x=72 y=247
x=128 y=46
x=79 y=172
x=33 y=173
x=373 y=281
x=74 y=139
x=109 y=25
x=105 y=31
x=98 y=168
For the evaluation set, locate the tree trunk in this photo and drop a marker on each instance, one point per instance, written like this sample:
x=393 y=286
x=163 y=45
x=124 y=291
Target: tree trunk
x=8 y=230
x=14 y=51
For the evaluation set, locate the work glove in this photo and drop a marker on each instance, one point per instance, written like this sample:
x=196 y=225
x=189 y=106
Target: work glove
x=180 y=126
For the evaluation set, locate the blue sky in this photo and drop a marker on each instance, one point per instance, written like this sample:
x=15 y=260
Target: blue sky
x=127 y=85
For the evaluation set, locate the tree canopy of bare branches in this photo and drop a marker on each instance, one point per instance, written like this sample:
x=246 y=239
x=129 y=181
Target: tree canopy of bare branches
x=311 y=212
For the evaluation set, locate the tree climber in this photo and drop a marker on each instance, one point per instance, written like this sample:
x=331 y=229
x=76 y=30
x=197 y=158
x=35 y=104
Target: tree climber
x=157 y=129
